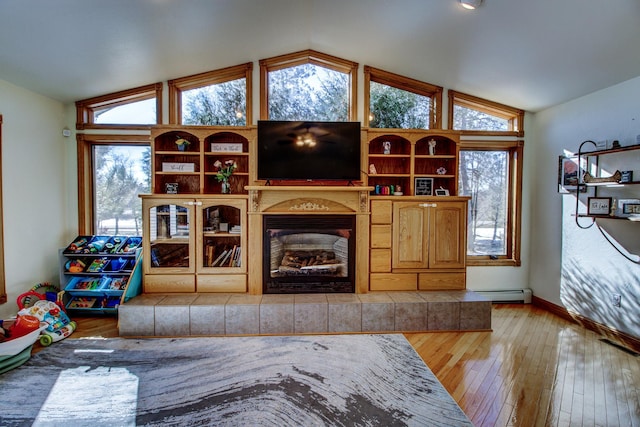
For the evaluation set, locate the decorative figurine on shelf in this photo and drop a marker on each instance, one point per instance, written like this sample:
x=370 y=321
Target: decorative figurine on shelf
x=224 y=173
x=386 y=147
x=441 y=171
x=432 y=147
x=372 y=169
x=182 y=143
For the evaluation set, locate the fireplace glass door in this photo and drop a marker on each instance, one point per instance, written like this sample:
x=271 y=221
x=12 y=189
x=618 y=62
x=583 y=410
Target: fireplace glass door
x=309 y=254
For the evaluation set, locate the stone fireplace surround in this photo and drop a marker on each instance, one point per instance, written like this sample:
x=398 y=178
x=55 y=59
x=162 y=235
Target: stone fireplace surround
x=255 y=313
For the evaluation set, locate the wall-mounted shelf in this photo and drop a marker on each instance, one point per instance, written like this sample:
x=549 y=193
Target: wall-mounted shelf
x=620 y=199
x=602 y=188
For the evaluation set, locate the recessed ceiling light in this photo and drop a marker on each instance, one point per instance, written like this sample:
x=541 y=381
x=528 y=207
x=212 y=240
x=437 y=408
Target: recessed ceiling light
x=470 y=4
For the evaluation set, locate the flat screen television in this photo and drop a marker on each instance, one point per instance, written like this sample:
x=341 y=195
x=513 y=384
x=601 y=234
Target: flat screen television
x=308 y=150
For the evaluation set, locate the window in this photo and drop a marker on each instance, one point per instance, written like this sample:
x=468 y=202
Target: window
x=112 y=171
x=120 y=173
x=394 y=101
x=491 y=176
x=220 y=97
x=472 y=115
x=308 y=85
x=137 y=108
x=3 y=291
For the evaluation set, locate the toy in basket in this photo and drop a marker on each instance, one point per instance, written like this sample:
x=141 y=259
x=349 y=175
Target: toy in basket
x=59 y=325
x=16 y=341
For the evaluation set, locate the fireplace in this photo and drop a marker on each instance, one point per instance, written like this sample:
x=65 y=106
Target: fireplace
x=309 y=254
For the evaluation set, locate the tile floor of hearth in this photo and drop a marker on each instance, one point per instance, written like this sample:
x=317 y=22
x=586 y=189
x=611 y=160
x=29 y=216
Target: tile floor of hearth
x=242 y=314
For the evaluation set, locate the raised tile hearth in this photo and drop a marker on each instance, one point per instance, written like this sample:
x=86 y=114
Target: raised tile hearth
x=243 y=314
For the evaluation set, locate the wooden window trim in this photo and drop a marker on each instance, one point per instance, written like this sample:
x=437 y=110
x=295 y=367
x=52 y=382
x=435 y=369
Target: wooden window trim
x=85 y=144
x=308 y=57
x=515 y=151
x=223 y=75
x=86 y=108
x=514 y=116
x=429 y=90
x=3 y=289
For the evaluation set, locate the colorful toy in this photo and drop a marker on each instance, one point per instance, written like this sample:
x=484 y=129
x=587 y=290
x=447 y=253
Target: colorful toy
x=78 y=244
x=59 y=325
x=39 y=292
x=75 y=266
x=97 y=265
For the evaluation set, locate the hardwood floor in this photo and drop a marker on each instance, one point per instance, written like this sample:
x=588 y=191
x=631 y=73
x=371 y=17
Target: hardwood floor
x=533 y=369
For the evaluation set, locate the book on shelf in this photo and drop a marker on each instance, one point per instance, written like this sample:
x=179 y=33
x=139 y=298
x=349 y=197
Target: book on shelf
x=219 y=259
x=232 y=256
x=235 y=229
x=209 y=254
x=236 y=261
x=225 y=259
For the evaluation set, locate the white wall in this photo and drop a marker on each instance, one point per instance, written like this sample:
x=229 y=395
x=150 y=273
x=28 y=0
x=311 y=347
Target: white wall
x=34 y=189
x=581 y=276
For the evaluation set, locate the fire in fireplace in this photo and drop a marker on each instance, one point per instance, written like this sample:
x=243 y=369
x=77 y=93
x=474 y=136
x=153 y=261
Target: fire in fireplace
x=309 y=254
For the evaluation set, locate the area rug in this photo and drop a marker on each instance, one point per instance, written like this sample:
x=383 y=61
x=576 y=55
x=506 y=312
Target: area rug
x=309 y=380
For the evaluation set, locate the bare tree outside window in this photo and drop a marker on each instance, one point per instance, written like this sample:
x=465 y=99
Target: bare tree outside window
x=308 y=92
x=222 y=104
x=483 y=177
x=470 y=119
x=121 y=173
x=391 y=107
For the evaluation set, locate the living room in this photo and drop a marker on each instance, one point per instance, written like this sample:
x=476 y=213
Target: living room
x=596 y=100
x=549 y=132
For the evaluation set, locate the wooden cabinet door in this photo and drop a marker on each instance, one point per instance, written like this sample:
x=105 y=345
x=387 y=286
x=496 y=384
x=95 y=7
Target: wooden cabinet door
x=168 y=236
x=410 y=235
x=215 y=243
x=448 y=235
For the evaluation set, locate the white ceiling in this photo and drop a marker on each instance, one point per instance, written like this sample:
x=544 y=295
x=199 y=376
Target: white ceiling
x=528 y=54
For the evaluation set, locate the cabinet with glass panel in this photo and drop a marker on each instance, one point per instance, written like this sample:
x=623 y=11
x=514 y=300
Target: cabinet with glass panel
x=194 y=244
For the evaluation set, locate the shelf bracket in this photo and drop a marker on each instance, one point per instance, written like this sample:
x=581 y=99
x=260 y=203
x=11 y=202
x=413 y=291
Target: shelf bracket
x=580 y=185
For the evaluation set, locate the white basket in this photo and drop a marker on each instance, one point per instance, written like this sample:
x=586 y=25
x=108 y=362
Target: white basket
x=15 y=346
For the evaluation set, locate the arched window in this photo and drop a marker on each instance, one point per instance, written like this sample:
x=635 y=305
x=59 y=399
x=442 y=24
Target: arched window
x=308 y=85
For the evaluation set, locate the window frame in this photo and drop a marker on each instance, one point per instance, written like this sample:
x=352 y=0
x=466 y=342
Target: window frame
x=85 y=109
x=86 y=199
x=308 y=57
x=3 y=289
x=408 y=84
x=208 y=78
x=514 y=116
x=513 y=237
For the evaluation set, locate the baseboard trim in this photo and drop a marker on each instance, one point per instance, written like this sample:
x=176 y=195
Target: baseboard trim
x=612 y=334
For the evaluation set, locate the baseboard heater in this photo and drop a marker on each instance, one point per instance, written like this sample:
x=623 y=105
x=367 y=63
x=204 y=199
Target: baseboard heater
x=515 y=295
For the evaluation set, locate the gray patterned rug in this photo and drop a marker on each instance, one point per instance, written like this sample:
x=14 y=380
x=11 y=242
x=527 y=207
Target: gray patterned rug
x=327 y=380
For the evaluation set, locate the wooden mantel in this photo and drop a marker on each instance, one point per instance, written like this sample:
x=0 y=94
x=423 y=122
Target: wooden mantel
x=307 y=200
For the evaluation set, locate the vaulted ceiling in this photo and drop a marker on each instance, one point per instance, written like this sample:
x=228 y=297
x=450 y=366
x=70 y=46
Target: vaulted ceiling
x=527 y=54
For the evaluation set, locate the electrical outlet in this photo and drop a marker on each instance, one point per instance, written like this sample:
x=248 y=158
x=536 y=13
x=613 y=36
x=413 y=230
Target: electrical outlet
x=616 y=300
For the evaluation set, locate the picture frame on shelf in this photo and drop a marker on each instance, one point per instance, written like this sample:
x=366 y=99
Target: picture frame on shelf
x=626 y=176
x=598 y=205
x=423 y=187
x=171 y=187
x=442 y=192
x=570 y=174
x=627 y=207
x=226 y=147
